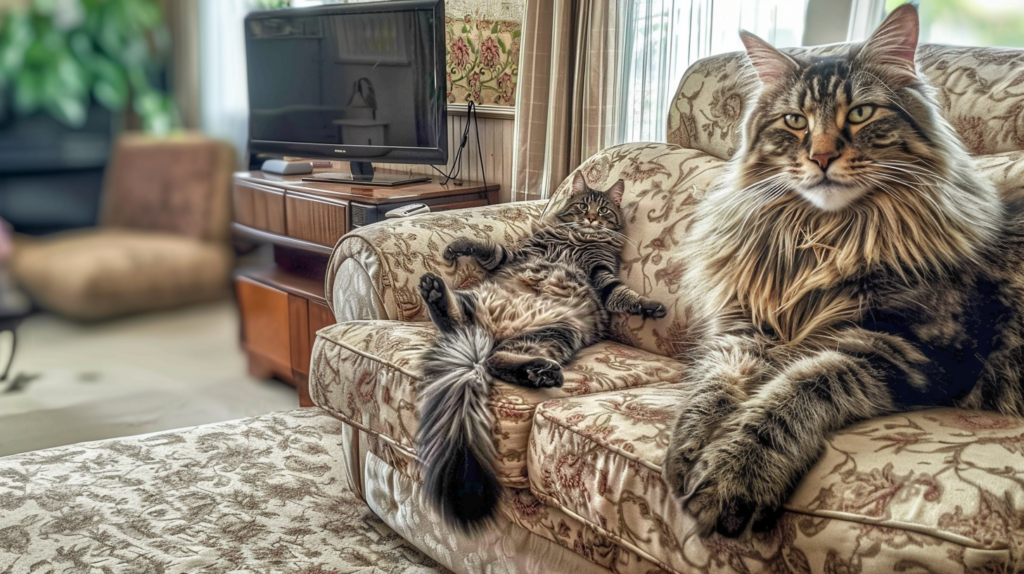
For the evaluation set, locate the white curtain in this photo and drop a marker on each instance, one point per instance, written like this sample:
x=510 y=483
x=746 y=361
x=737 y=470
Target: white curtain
x=662 y=38
x=223 y=91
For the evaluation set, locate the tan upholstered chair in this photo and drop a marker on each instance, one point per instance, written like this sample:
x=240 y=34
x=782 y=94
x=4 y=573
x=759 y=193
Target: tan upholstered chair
x=163 y=239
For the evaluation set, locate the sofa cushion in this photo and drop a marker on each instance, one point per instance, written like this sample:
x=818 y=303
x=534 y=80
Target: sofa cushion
x=935 y=491
x=366 y=372
x=102 y=272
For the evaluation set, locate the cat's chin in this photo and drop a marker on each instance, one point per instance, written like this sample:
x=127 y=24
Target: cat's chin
x=832 y=196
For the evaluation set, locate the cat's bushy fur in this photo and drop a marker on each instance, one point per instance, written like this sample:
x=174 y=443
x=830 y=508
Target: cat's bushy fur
x=543 y=301
x=856 y=265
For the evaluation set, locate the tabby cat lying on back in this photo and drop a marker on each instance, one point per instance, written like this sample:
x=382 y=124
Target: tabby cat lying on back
x=542 y=302
x=855 y=266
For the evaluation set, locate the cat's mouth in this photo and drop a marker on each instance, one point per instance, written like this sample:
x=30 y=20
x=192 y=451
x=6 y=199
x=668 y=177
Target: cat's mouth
x=831 y=195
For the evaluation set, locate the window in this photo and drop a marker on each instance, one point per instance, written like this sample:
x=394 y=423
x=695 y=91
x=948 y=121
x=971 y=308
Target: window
x=970 y=22
x=661 y=38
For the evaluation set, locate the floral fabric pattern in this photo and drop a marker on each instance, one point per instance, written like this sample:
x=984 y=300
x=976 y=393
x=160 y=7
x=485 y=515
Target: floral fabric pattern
x=366 y=373
x=483 y=59
x=259 y=495
x=980 y=91
x=938 y=490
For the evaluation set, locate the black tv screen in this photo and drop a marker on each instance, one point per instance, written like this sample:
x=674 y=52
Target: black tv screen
x=356 y=82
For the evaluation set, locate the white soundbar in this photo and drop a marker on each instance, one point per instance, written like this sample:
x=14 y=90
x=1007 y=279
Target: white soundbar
x=287 y=167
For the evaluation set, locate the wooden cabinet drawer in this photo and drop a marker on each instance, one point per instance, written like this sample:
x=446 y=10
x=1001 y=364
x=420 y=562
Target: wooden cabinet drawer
x=315 y=220
x=466 y=204
x=265 y=318
x=259 y=207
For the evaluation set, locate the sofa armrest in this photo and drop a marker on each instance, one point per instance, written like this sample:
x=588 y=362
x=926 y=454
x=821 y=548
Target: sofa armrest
x=374 y=270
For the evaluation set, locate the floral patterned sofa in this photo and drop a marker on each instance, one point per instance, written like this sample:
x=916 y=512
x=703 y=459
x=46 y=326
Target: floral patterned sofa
x=928 y=491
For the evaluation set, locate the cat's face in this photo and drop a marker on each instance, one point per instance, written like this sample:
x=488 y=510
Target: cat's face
x=589 y=211
x=835 y=129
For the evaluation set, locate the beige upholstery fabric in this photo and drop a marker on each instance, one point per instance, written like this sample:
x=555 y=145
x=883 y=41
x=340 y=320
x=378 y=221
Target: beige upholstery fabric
x=366 y=373
x=980 y=91
x=102 y=272
x=505 y=548
x=260 y=495
x=938 y=490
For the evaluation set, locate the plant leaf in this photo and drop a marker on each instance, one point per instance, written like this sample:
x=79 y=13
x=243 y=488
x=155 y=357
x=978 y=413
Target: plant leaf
x=68 y=110
x=110 y=86
x=28 y=93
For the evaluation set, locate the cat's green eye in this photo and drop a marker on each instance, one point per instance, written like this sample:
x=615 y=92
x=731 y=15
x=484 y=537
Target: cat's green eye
x=795 y=121
x=604 y=212
x=580 y=207
x=860 y=114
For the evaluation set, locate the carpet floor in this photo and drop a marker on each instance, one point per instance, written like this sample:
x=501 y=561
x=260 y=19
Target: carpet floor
x=146 y=373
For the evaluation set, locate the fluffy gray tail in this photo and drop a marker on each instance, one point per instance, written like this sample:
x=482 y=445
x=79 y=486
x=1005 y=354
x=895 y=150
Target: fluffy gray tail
x=454 y=442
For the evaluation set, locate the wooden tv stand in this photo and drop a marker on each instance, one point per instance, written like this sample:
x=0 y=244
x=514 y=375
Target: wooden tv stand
x=282 y=306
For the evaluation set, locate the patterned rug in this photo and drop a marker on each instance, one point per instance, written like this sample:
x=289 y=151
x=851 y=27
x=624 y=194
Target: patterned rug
x=265 y=494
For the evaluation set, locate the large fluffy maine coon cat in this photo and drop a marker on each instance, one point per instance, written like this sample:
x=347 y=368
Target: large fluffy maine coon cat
x=856 y=265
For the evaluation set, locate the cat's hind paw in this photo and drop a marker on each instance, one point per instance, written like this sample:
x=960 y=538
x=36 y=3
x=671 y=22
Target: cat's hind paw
x=543 y=374
x=652 y=309
x=456 y=249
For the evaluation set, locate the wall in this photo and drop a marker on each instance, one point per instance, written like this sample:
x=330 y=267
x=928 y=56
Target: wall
x=497 y=136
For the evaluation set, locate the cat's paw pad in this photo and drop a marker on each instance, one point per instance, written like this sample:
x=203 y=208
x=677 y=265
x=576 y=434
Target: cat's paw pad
x=543 y=374
x=652 y=309
x=432 y=289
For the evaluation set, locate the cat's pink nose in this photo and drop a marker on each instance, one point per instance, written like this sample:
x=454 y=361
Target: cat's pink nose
x=823 y=158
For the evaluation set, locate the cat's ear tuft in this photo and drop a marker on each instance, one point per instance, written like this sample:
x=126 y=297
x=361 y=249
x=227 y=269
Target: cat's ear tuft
x=893 y=46
x=616 y=191
x=579 y=185
x=770 y=64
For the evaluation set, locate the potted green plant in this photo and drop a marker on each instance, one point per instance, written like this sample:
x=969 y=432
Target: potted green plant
x=61 y=56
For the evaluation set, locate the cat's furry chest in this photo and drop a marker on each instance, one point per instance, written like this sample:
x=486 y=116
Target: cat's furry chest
x=956 y=324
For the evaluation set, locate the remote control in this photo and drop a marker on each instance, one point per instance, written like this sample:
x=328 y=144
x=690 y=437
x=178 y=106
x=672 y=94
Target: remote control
x=411 y=209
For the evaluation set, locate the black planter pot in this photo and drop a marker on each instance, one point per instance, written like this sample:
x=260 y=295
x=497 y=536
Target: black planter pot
x=51 y=176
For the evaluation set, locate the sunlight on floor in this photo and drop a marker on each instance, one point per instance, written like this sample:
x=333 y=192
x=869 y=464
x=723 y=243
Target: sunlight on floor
x=130 y=376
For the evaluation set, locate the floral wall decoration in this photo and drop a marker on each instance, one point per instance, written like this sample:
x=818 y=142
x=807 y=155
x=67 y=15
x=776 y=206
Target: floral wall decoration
x=483 y=59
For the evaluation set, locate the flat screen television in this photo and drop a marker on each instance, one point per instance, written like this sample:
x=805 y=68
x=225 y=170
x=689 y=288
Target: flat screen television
x=360 y=82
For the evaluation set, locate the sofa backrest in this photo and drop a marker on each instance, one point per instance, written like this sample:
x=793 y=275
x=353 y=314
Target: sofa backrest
x=981 y=91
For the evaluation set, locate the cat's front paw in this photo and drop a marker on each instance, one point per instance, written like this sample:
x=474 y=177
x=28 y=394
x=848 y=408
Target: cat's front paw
x=456 y=249
x=732 y=484
x=651 y=309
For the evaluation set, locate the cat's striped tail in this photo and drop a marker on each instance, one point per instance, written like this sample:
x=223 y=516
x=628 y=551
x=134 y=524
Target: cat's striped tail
x=454 y=443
